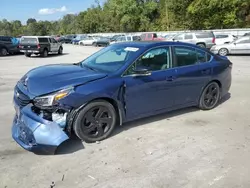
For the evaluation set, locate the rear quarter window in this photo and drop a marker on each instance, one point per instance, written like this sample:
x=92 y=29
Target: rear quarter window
x=43 y=39
x=204 y=35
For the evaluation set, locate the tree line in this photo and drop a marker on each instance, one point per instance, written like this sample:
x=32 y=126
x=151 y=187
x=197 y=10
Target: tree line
x=140 y=16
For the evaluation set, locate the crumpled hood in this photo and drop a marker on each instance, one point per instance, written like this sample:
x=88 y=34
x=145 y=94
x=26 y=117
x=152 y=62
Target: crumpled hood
x=50 y=78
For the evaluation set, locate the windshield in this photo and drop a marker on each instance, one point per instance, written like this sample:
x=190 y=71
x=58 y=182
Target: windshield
x=109 y=59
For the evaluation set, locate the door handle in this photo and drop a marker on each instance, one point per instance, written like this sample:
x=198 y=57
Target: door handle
x=206 y=71
x=170 y=78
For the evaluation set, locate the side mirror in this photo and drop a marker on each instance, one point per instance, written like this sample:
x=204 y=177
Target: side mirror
x=235 y=43
x=173 y=39
x=141 y=72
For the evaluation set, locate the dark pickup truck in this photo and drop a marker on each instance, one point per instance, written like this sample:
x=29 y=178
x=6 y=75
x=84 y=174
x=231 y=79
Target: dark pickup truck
x=39 y=45
x=8 y=45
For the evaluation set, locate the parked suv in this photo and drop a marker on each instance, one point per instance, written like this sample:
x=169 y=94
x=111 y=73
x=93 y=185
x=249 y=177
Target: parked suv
x=39 y=46
x=202 y=39
x=8 y=45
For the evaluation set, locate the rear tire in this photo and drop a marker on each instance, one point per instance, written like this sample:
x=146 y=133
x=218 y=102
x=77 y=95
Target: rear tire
x=27 y=55
x=201 y=45
x=3 y=52
x=60 y=51
x=95 y=122
x=45 y=53
x=210 y=96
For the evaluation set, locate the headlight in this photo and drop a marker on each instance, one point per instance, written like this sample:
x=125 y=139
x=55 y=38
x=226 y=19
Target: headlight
x=50 y=100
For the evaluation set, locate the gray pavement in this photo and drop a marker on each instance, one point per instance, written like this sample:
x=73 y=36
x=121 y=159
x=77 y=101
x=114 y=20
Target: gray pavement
x=183 y=149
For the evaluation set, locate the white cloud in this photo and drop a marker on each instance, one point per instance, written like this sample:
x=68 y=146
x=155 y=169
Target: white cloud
x=46 y=11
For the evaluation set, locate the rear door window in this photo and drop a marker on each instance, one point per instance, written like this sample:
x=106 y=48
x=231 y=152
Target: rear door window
x=188 y=36
x=185 y=56
x=43 y=39
x=204 y=35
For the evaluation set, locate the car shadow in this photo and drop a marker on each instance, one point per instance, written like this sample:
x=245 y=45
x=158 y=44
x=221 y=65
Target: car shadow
x=159 y=117
x=49 y=55
x=71 y=145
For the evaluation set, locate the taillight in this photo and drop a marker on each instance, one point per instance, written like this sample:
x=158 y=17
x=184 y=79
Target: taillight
x=213 y=41
x=38 y=46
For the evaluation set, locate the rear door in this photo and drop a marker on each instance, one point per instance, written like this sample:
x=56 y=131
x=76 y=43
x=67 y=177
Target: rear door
x=193 y=71
x=241 y=46
x=53 y=45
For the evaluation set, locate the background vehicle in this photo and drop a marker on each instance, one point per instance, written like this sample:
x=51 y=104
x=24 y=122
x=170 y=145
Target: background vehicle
x=239 y=46
x=77 y=39
x=88 y=41
x=126 y=38
x=10 y=45
x=224 y=38
x=150 y=37
x=39 y=45
x=102 y=41
x=64 y=39
x=201 y=39
x=114 y=86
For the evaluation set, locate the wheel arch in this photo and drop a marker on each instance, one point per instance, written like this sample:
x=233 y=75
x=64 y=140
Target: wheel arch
x=72 y=115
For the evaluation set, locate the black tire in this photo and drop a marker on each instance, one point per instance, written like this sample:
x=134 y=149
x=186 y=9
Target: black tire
x=3 y=52
x=60 y=51
x=210 y=96
x=223 y=52
x=27 y=55
x=95 y=122
x=201 y=45
x=45 y=53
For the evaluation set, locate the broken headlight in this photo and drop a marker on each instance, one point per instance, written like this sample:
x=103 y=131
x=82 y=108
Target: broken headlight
x=51 y=99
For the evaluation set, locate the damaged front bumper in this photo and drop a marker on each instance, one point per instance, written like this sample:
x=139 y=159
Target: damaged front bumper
x=36 y=134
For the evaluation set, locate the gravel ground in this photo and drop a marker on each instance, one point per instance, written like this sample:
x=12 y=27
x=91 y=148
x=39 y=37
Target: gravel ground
x=187 y=148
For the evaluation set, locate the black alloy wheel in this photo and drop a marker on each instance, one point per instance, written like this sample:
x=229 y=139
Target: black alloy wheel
x=210 y=96
x=95 y=122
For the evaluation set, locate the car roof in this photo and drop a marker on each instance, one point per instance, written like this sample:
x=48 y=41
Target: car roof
x=37 y=37
x=150 y=44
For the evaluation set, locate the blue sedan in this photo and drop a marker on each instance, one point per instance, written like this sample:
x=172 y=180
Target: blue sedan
x=120 y=83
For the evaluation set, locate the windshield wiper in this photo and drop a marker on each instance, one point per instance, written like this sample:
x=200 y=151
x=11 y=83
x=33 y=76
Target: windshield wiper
x=91 y=68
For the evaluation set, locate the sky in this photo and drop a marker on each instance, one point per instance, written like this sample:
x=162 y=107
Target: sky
x=41 y=9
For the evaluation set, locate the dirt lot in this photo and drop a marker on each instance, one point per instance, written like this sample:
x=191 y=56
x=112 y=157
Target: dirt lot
x=187 y=148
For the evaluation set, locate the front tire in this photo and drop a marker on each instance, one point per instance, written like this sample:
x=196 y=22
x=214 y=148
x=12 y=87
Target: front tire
x=210 y=96
x=95 y=122
x=223 y=52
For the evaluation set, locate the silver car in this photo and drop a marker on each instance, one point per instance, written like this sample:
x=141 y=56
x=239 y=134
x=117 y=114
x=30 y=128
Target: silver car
x=239 y=46
x=202 y=39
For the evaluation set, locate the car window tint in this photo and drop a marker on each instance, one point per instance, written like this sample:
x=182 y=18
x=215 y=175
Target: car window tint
x=150 y=36
x=201 y=56
x=28 y=40
x=204 y=35
x=188 y=36
x=129 y=38
x=155 y=35
x=179 y=37
x=185 y=56
x=154 y=60
x=111 y=56
x=221 y=36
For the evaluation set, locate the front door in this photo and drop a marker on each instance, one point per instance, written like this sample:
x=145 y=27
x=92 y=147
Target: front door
x=151 y=93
